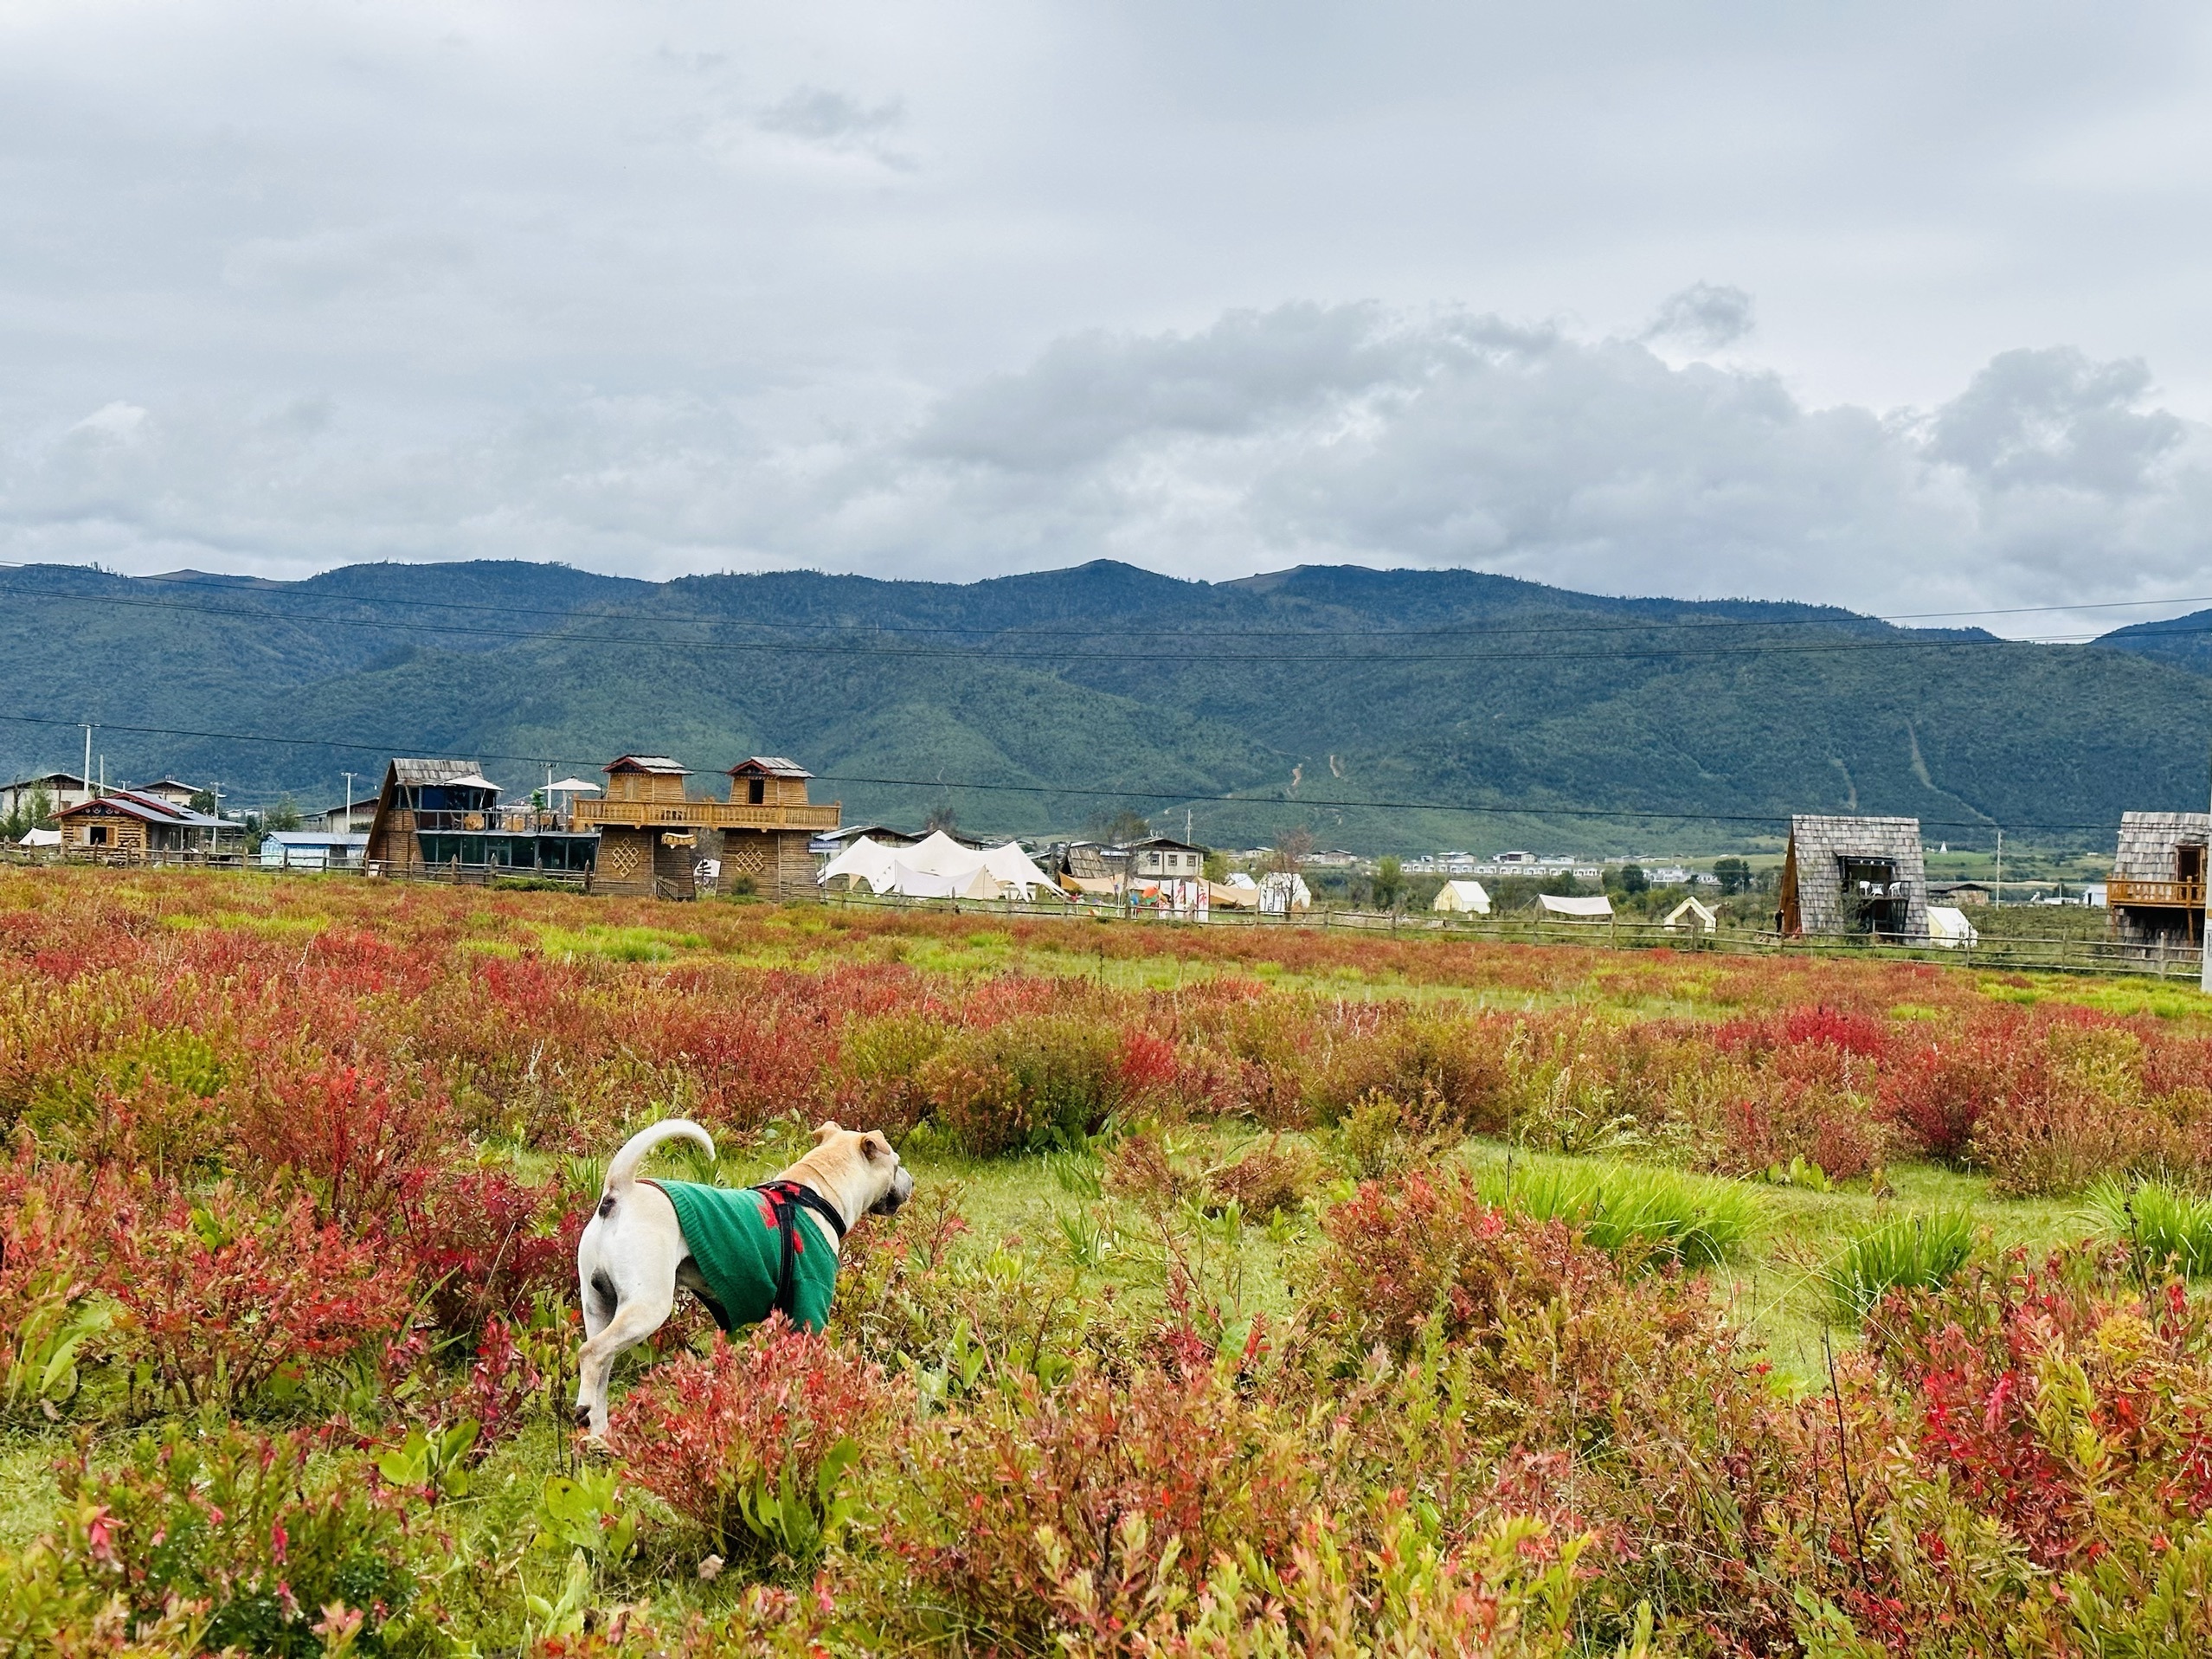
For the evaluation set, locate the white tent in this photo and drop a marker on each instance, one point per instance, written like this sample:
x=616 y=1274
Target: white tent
x=1465 y=898
x=1283 y=892
x=1692 y=915
x=1949 y=928
x=1596 y=909
x=864 y=861
x=41 y=838
x=940 y=867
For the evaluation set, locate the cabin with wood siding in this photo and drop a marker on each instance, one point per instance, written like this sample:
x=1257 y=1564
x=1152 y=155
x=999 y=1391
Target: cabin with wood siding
x=2158 y=885
x=1847 y=875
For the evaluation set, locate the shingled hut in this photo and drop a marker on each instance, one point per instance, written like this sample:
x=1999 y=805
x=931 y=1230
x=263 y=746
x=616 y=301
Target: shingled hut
x=2156 y=891
x=1854 y=875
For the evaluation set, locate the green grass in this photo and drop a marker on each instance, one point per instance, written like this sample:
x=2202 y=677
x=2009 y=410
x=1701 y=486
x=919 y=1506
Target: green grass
x=1911 y=1252
x=617 y=944
x=2159 y=1222
x=1640 y=1210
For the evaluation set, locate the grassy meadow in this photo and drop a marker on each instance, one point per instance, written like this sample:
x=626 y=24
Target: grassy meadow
x=1265 y=1291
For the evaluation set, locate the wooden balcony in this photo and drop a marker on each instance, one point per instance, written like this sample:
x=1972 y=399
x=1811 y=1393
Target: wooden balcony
x=703 y=814
x=2173 y=895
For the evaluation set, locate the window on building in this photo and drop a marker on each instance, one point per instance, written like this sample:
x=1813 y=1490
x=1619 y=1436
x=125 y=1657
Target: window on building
x=97 y=835
x=757 y=791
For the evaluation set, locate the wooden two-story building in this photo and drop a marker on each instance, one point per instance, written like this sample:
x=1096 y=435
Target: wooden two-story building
x=653 y=834
x=2157 y=890
x=446 y=815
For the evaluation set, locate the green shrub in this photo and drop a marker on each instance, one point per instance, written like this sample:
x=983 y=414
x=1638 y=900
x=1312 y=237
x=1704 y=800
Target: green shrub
x=1634 y=1210
x=1917 y=1252
x=243 y=1525
x=2161 y=1222
x=879 y=1083
x=1039 y=1081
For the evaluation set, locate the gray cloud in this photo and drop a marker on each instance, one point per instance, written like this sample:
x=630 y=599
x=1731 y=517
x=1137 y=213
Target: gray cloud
x=1704 y=317
x=960 y=286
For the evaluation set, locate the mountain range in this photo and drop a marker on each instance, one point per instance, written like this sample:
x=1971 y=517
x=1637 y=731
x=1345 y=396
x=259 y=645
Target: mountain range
x=1382 y=709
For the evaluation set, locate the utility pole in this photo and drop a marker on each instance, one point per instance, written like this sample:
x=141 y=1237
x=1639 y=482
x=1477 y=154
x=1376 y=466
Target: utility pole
x=1998 y=901
x=86 y=780
x=349 y=803
x=2204 y=931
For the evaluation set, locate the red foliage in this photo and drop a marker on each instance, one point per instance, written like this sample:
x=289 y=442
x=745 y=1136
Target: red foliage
x=222 y=1297
x=344 y=1131
x=699 y=1431
x=1940 y=1092
x=481 y=1240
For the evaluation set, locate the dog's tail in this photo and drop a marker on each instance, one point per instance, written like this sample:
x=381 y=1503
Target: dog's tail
x=622 y=1168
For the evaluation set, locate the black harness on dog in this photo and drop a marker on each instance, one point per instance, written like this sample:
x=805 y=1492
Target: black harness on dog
x=787 y=1199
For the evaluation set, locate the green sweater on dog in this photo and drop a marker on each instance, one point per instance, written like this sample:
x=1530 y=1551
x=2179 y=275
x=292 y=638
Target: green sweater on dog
x=735 y=1236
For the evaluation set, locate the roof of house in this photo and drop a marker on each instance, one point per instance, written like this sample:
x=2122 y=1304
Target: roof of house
x=67 y=780
x=659 y=763
x=882 y=833
x=775 y=765
x=150 y=809
x=416 y=775
x=1165 y=842
x=2147 y=841
x=314 y=837
x=170 y=783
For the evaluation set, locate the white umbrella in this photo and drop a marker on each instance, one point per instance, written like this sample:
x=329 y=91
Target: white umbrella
x=571 y=786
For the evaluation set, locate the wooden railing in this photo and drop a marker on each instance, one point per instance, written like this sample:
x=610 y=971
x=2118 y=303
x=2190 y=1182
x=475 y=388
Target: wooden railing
x=2180 y=894
x=703 y=814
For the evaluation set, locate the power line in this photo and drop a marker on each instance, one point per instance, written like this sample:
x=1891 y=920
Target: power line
x=943 y=785
x=1201 y=640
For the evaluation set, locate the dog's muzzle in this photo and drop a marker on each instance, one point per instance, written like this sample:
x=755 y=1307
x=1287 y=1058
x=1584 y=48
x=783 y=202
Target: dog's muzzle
x=900 y=1189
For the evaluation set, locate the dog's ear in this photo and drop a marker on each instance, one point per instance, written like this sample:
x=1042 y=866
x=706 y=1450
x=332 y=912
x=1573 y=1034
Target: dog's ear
x=824 y=1129
x=873 y=1146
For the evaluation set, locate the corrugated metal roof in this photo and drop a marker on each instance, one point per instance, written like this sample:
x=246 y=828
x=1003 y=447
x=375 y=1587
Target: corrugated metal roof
x=419 y=774
x=646 y=763
x=774 y=765
x=150 y=809
x=314 y=837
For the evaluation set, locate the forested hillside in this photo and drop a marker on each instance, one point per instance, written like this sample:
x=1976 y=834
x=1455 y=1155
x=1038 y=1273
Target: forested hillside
x=1405 y=709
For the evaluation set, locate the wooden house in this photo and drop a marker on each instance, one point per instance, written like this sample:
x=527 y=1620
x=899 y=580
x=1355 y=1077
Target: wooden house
x=58 y=789
x=652 y=835
x=129 y=827
x=1854 y=875
x=446 y=815
x=2157 y=889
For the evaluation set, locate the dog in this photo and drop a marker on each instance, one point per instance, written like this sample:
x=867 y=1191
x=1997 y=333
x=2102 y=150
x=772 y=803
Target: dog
x=744 y=1252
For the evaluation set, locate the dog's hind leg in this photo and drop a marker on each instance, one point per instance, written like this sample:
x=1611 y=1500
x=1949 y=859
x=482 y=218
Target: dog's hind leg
x=645 y=1312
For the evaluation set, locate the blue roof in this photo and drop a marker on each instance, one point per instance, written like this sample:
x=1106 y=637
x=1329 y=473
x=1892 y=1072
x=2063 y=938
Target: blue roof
x=314 y=837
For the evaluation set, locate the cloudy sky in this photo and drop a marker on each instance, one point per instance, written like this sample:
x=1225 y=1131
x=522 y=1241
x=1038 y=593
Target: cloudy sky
x=1902 y=306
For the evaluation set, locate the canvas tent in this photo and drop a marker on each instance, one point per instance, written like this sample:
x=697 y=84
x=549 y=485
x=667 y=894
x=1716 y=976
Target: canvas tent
x=1283 y=892
x=1693 y=916
x=41 y=838
x=940 y=867
x=1596 y=909
x=1949 y=928
x=1463 y=898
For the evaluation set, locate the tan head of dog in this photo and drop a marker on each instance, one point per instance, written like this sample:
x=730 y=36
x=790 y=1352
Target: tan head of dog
x=859 y=1171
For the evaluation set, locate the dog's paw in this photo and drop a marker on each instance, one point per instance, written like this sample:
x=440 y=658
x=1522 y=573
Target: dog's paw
x=582 y=1416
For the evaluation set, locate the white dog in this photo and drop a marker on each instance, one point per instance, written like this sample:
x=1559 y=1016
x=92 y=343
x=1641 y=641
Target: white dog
x=745 y=1251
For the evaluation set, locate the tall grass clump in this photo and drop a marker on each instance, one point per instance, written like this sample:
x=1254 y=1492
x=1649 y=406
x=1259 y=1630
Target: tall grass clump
x=1917 y=1253
x=1634 y=1210
x=2161 y=1222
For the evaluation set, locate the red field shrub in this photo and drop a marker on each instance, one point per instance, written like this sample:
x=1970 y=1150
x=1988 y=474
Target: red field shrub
x=350 y=1137
x=1141 y=1481
x=750 y=1420
x=483 y=1243
x=1428 y=1250
x=1940 y=1092
x=222 y=1297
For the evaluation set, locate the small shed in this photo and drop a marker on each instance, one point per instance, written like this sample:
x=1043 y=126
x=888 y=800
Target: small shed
x=1854 y=875
x=1462 y=898
x=1692 y=916
x=312 y=850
